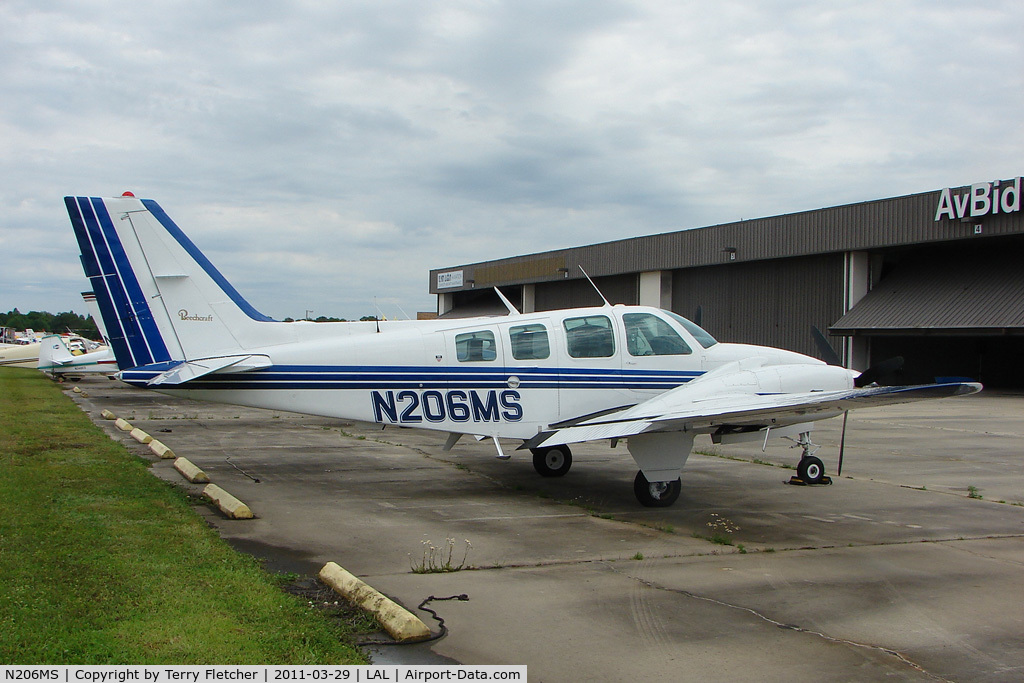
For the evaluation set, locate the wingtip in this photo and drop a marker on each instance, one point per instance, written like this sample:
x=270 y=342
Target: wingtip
x=968 y=388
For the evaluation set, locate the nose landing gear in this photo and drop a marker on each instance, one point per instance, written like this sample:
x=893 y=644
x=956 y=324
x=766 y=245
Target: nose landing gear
x=810 y=470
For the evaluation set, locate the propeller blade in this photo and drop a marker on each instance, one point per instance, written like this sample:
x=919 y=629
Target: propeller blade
x=698 y=315
x=873 y=374
x=828 y=354
x=842 y=444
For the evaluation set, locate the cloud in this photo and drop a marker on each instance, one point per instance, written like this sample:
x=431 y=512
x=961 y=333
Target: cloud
x=326 y=154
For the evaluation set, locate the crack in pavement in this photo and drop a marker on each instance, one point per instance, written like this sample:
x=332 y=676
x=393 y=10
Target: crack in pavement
x=778 y=624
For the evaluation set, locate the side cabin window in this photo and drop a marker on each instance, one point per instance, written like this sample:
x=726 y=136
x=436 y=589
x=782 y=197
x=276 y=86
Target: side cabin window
x=529 y=342
x=649 y=335
x=475 y=346
x=589 y=337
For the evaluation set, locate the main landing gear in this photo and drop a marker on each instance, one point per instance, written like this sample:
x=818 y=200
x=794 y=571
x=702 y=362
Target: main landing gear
x=656 y=494
x=810 y=470
x=553 y=461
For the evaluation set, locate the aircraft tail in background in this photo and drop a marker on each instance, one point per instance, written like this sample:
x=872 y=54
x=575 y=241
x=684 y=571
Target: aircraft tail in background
x=94 y=312
x=55 y=358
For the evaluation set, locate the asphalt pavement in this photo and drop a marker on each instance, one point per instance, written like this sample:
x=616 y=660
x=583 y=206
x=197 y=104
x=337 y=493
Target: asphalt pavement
x=910 y=566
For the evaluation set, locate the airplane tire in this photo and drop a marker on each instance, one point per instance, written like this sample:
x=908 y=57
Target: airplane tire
x=554 y=461
x=659 y=494
x=811 y=470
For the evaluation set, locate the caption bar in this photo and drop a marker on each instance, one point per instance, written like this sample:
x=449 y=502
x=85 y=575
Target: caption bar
x=258 y=674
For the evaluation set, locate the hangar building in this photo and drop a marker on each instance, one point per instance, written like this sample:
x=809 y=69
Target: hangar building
x=935 y=277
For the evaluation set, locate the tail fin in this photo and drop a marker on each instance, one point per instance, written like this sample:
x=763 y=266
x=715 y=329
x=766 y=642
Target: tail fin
x=53 y=353
x=161 y=300
x=94 y=312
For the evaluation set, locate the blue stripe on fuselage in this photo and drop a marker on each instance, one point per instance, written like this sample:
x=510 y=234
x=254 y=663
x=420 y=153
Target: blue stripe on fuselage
x=423 y=377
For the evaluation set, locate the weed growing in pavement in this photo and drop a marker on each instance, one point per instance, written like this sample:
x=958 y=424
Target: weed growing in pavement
x=721 y=530
x=440 y=560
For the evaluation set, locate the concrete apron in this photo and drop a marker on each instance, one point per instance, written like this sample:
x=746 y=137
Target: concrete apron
x=891 y=571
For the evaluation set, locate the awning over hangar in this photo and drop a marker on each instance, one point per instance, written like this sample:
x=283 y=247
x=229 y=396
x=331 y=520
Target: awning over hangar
x=976 y=294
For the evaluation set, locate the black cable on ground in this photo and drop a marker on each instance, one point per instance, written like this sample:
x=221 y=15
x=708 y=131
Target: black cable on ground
x=442 y=629
x=228 y=459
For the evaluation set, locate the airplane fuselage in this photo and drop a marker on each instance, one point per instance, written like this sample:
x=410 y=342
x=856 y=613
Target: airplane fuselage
x=510 y=376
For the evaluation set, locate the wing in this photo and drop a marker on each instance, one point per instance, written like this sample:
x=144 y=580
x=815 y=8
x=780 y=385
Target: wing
x=676 y=411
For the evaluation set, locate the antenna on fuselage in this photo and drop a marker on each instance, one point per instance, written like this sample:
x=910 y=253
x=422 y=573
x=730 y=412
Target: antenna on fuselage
x=594 y=286
x=402 y=311
x=512 y=310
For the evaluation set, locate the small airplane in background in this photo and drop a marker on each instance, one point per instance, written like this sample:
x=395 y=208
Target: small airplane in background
x=57 y=357
x=548 y=379
x=18 y=350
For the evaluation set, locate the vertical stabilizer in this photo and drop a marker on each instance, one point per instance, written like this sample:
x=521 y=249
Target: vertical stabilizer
x=53 y=353
x=161 y=300
x=94 y=312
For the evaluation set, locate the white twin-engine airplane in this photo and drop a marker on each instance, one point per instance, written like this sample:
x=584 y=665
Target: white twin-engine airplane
x=548 y=379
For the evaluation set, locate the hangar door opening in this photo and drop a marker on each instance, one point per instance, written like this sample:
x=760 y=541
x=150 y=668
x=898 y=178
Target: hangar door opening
x=949 y=313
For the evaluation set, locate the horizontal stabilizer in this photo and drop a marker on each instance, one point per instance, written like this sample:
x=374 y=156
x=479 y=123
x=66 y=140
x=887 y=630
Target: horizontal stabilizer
x=190 y=370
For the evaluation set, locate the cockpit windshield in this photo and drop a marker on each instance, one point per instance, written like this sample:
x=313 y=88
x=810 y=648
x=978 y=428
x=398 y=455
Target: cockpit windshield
x=702 y=337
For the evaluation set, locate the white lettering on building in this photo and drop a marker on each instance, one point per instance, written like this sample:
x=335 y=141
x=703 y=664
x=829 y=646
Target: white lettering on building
x=982 y=199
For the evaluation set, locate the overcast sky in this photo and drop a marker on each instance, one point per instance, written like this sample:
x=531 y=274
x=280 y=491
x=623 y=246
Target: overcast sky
x=326 y=155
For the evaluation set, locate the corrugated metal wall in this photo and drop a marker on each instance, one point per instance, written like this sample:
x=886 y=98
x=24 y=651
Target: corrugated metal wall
x=619 y=289
x=773 y=303
x=879 y=224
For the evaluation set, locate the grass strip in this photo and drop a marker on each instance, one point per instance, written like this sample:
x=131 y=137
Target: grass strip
x=102 y=563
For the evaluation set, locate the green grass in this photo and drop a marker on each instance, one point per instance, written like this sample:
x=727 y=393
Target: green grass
x=102 y=563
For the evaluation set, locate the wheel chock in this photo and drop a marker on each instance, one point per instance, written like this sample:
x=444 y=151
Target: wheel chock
x=797 y=481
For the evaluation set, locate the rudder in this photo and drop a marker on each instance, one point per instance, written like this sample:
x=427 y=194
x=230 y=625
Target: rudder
x=161 y=300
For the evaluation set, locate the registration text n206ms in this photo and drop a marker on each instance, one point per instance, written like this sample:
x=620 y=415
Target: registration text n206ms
x=457 y=405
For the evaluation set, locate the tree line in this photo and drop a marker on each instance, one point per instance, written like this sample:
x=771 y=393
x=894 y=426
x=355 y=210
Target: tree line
x=84 y=325
x=57 y=323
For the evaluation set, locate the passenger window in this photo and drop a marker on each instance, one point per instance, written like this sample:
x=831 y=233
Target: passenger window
x=475 y=346
x=529 y=342
x=589 y=337
x=649 y=335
